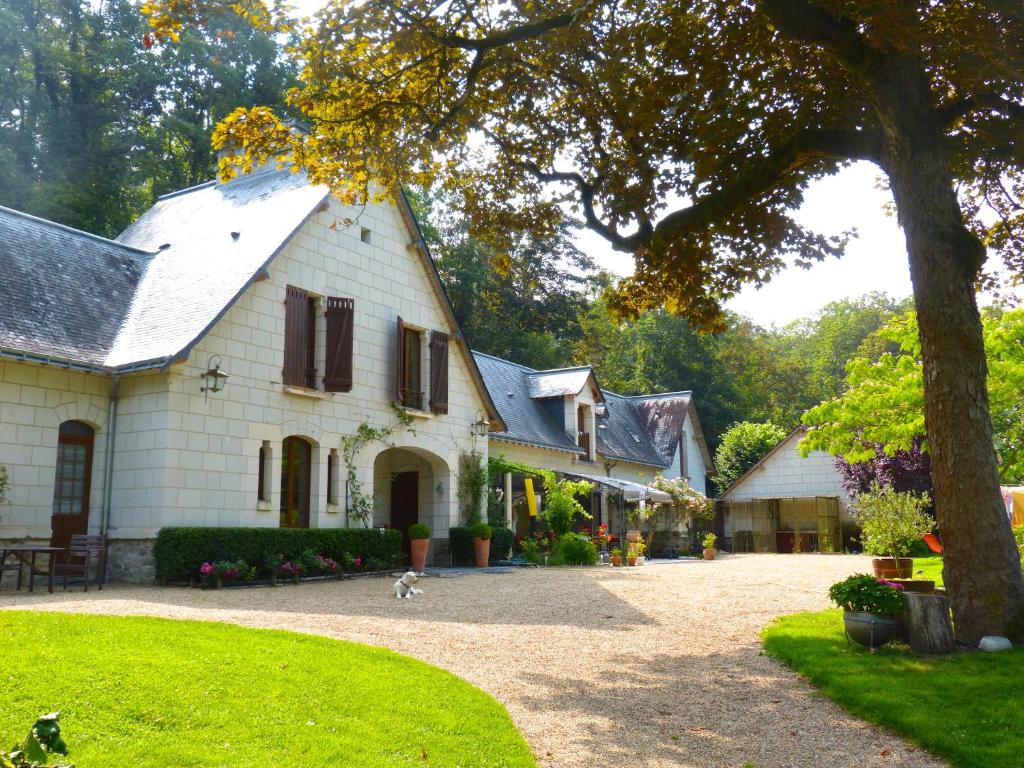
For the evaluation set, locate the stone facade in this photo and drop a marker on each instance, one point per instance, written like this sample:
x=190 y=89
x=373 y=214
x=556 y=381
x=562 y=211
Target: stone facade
x=184 y=457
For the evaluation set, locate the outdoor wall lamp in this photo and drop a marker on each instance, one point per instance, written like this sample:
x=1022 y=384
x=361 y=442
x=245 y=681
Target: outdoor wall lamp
x=481 y=426
x=213 y=378
x=440 y=489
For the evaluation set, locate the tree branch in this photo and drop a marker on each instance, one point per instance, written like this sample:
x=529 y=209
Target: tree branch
x=808 y=22
x=952 y=111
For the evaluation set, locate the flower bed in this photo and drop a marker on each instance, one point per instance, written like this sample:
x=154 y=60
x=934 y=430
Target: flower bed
x=258 y=554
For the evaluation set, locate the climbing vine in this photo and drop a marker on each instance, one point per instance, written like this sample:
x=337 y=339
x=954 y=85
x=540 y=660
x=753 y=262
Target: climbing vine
x=472 y=482
x=360 y=504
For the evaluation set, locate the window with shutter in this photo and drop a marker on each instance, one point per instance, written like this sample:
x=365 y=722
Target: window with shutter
x=408 y=366
x=299 y=338
x=339 y=315
x=438 y=372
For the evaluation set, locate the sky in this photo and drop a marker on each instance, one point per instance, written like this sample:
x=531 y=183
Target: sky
x=875 y=261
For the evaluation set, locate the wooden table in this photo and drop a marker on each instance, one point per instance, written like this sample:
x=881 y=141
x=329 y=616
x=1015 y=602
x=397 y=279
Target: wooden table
x=25 y=554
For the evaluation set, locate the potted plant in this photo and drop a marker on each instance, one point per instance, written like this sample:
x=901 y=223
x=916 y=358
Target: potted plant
x=890 y=522
x=641 y=550
x=481 y=544
x=617 y=557
x=710 y=540
x=419 y=543
x=870 y=608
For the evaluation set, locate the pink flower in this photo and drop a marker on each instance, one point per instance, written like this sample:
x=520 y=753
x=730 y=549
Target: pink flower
x=359 y=562
x=206 y=569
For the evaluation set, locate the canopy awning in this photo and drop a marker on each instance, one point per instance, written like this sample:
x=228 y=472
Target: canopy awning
x=631 y=491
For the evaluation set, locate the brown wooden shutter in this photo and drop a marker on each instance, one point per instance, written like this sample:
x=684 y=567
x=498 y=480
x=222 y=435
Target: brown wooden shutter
x=438 y=372
x=296 y=334
x=339 y=316
x=400 y=364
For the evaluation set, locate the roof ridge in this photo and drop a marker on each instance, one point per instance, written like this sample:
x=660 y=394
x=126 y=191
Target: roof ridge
x=503 y=360
x=73 y=231
x=186 y=190
x=564 y=370
x=654 y=395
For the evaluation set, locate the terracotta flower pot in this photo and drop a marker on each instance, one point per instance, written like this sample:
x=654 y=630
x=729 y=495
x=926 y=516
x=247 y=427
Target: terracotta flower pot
x=419 y=548
x=709 y=553
x=482 y=551
x=886 y=568
x=630 y=561
x=633 y=535
x=617 y=560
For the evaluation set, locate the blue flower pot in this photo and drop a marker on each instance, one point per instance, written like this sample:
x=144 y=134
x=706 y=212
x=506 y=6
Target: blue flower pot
x=869 y=629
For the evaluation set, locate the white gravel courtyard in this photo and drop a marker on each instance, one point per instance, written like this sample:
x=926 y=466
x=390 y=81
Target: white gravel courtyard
x=652 y=666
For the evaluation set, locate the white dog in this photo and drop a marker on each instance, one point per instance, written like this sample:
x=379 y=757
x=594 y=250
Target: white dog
x=404 y=586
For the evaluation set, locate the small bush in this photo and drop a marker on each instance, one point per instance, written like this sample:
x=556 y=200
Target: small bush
x=502 y=540
x=460 y=539
x=419 y=531
x=710 y=540
x=573 y=549
x=891 y=521
x=179 y=552
x=482 y=531
x=866 y=593
x=530 y=551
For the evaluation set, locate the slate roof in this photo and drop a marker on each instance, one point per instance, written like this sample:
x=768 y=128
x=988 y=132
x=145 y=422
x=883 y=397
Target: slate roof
x=621 y=434
x=212 y=242
x=62 y=291
x=663 y=416
x=559 y=382
x=527 y=421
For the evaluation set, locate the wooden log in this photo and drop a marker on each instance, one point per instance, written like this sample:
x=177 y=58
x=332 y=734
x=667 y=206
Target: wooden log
x=928 y=624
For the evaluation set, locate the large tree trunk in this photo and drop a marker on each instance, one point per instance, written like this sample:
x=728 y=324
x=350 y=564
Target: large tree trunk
x=982 y=568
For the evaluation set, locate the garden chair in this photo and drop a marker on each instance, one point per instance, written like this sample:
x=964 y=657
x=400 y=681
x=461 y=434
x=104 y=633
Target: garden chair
x=84 y=552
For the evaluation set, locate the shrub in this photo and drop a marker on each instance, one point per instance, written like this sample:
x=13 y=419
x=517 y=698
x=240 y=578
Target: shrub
x=530 y=551
x=179 y=552
x=866 y=593
x=891 y=521
x=460 y=540
x=573 y=549
x=560 y=506
x=502 y=539
x=482 y=531
x=742 y=446
x=710 y=540
x=419 y=531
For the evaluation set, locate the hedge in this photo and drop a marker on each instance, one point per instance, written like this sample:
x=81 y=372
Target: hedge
x=460 y=539
x=179 y=552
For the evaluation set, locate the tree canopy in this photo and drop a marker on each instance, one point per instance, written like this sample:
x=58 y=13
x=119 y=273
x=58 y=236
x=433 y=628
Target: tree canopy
x=743 y=445
x=882 y=409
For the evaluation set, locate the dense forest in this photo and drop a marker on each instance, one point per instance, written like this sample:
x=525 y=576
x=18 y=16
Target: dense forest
x=94 y=125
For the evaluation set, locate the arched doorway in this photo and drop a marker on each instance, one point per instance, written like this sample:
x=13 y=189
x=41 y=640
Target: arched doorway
x=412 y=485
x=296 y=476
x=71 y=483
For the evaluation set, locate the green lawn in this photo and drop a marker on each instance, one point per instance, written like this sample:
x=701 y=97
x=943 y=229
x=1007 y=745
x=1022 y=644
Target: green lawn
x=153 y=692
x=932 y=567
x=968 y=707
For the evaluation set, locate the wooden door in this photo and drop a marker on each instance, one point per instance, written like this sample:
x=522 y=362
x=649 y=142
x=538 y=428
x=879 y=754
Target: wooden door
x=296 y=470
x=405 y=506
x=71 y=484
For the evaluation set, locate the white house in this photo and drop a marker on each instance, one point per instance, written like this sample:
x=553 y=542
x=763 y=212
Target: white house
x=561 y=420
x=786 y=494
x=321 y=315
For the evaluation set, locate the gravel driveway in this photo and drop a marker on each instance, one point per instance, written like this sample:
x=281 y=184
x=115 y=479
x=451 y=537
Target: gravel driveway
x=657 y=666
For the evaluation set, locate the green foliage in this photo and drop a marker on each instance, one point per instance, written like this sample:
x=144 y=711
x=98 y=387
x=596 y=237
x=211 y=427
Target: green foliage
x=560 y=505
x=178 y=553
x=1018 y=536
x=34 y=751
x=573 y=549
x=975 y=696
x=482 y=531
x=460 y=540
x=862 y=592
x=472 y=484
x=742 y=446
x=502 y=541
x=5 y=485
x=153 y=693
x=884 y=399
x=419 y=531
x=891 y=521
x=710 y=540
x=360 y=503
x=687 y=503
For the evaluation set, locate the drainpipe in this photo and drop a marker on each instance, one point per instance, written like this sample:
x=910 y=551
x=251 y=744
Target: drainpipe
x=108 y=469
